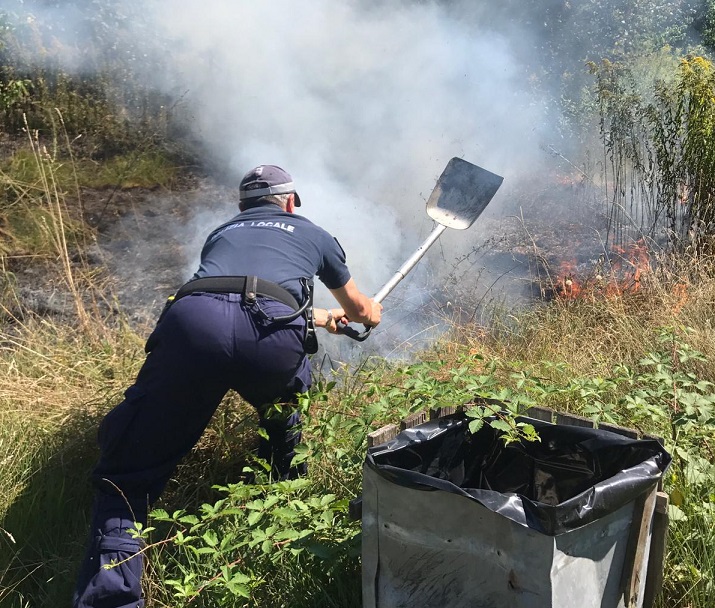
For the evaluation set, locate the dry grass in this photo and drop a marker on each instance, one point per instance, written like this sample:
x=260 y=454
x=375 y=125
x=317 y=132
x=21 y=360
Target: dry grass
x=51 y=374
x=594 y=332
x=56 y=380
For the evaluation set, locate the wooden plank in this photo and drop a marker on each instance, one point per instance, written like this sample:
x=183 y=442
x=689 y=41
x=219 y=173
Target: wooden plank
x=382 y=435
x=441 y=412
x=657 y=438
x=413 y=420
x=634 y=568
x=502 y=405
x=573 y=420
x=658 y=545
x=541 y=413
x=620 y=430
x=447 y=410
x=661 y=503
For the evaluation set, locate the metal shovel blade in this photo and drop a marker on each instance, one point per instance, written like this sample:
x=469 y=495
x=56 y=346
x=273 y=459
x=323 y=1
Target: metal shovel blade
x=462 y=192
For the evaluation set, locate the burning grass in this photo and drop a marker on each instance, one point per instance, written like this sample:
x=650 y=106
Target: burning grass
x=591 y=322
x=618 y=273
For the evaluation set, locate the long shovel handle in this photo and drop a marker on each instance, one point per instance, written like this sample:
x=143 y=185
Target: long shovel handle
x=404 y=270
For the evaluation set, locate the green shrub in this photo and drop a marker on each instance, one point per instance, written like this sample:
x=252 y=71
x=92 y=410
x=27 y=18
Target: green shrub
x=660 y=147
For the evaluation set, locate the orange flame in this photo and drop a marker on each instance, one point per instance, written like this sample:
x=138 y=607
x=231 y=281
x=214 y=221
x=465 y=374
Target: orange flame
x=632 y=262
x=627 y=270
x=568 y=286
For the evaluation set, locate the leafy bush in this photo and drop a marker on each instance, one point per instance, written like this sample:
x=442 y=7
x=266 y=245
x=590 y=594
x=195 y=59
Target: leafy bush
x=245 y=543
x=261 y=543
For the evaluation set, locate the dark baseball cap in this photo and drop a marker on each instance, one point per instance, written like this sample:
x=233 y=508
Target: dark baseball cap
x=265 y=180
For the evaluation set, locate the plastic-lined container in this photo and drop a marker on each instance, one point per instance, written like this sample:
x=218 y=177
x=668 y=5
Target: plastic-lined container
x=454 y=519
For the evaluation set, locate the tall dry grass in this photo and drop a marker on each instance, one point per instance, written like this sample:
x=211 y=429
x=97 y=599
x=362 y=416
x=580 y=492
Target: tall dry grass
x=58 y=374
x=596 y=330
x=55 y=383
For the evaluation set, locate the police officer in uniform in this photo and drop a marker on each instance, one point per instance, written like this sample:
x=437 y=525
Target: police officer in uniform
x=241 y=323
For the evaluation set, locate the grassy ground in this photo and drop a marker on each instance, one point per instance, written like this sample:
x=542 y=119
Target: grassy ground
x=57 y=382
x=640 y=358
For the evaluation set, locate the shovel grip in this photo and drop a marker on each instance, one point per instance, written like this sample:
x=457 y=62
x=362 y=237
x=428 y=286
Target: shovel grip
x=351 y=332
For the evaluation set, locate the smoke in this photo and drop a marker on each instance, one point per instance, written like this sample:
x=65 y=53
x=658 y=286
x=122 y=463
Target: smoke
x=363 y=103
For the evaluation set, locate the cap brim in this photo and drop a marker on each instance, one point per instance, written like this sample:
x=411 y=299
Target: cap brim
x=297 y=199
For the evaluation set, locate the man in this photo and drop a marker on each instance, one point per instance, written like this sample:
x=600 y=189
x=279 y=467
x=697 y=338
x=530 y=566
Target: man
x=238 y=324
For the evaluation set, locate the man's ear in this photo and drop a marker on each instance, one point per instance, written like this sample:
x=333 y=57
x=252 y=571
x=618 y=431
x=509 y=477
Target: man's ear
x=290 y=205
x=241 y=206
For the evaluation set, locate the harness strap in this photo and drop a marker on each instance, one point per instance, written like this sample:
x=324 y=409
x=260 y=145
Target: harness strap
x=250 y=291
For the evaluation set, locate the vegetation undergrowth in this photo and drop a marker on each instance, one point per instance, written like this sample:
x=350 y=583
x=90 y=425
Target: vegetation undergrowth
x=133 y=169
x=223 y=535
x=658 y=149
x=245 y=547
x=268 y=544
x=55 y=384
x=57 y=375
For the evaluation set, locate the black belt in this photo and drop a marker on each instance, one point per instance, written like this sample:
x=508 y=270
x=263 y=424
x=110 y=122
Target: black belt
x=250 y=287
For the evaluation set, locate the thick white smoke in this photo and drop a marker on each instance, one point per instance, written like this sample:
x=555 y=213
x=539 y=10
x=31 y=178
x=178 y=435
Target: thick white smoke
x=363 y=104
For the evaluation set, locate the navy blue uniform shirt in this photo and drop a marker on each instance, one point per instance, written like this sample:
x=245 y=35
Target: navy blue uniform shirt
x=275 y=245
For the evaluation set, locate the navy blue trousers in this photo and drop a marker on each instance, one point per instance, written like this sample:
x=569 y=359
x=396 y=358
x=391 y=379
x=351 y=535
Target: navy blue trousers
x=203 y=346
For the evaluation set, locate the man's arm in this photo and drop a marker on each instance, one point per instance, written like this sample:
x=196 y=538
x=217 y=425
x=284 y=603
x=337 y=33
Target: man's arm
x=357 y=306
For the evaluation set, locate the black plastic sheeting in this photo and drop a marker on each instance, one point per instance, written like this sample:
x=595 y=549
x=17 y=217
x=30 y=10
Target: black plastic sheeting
x=572 y=477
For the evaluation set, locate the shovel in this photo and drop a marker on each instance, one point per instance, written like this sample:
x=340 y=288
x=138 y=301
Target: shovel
x=462 y=192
